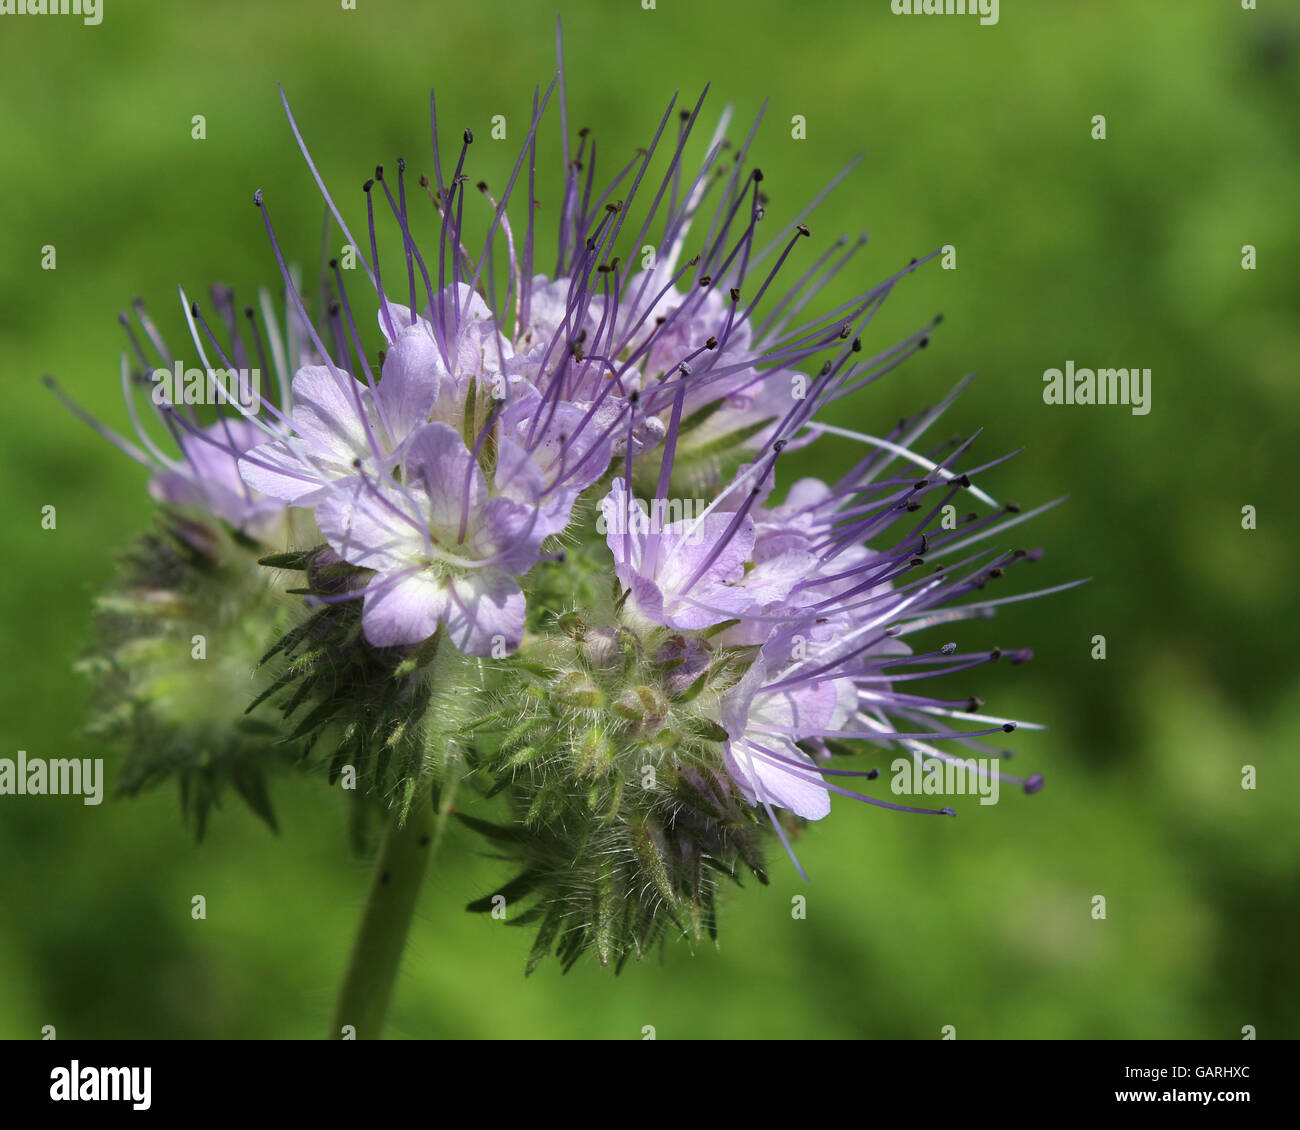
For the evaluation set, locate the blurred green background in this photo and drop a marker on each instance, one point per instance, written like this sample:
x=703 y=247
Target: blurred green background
x=1120 y=252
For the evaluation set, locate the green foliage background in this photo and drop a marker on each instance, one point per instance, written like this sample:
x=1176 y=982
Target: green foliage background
x=1120 y=252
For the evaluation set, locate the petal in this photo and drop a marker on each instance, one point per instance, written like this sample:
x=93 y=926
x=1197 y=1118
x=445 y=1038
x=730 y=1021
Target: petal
x=278 y=473
x=485 y=615
x=403 y=318
x=365 y=528
x=772 y=578
x=735 y=703
x=763 y=779
x=404 y=611
x=518 y=477
x=439 y=467
x=326 y=414
x=510 y=531
x=624 y=527
x=412 y=372
x=684 y=546
x=807 y=708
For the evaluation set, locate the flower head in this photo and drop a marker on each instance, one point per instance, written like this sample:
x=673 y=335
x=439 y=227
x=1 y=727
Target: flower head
x=484 y=593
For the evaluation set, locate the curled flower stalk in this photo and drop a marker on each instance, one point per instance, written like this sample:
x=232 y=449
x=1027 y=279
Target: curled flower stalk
x=531 y=530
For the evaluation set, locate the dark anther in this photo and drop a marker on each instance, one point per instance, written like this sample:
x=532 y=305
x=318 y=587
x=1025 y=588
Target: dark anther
x=923 y=343
x=379 y=172
x=1012 y=507
x=368 y=185
x=802 y=229
x=712 y=343
x=469 y=137
x=735 y=294
x=257 y=197
x=996 y=572
x=481 y=186
x=995 y=654
x=757 y=174
x=1008 y=727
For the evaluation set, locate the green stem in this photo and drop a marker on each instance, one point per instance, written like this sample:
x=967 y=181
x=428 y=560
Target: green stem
x=394 y=888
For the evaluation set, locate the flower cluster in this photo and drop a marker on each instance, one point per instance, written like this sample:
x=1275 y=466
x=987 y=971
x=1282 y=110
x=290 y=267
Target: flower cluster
x=497 y=586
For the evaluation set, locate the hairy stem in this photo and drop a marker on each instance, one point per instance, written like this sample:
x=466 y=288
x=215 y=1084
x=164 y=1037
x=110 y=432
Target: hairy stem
x=394 y=888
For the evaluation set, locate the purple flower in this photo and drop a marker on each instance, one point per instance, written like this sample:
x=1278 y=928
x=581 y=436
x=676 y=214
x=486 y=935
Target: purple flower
x=673 y=672
x=340 y=425
x=685 y=575
x=443 y=551
x=207 y=478
x=763 y=726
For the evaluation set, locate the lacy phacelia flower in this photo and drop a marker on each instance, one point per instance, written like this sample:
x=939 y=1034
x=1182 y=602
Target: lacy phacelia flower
x=548 y=543
x=441 y=548
x=684 y=574
x=182 y=628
